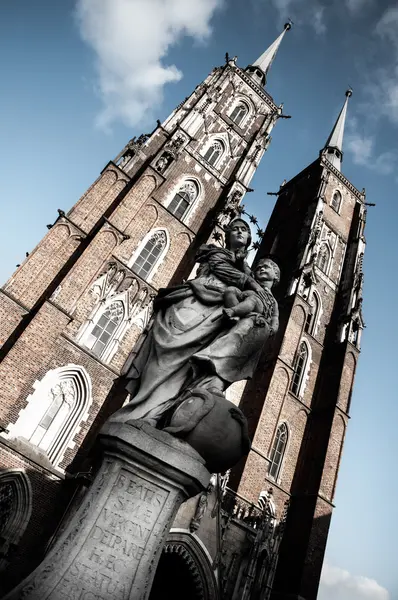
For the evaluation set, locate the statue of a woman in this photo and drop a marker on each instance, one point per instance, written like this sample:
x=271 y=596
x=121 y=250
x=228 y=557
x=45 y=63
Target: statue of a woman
x=187 y=319
x=195 y=350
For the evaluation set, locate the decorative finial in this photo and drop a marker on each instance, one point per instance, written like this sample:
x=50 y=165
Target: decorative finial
x=288 y=25
x=349 y=93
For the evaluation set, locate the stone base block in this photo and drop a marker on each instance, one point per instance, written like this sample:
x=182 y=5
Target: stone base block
x=112 y=545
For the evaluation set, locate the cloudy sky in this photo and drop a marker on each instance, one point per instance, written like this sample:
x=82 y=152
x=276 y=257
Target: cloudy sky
x=80 y=78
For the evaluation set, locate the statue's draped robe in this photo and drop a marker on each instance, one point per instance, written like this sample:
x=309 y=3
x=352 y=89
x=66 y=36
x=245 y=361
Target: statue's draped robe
x=190 y=337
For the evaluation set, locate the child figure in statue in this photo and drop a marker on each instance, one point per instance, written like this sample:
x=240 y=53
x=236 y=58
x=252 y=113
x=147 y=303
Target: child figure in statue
x=254 y=318
x=248 y=303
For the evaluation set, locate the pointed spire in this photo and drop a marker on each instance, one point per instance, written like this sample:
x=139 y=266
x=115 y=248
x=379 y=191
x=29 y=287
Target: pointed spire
x=260 y=68
x=333 y=148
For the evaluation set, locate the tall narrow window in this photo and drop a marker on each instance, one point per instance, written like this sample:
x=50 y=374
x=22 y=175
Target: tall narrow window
x=308 y=320
x=105 y=328
x=183 y=199
x=58 y=400
x=299 y=365
x=150 y=253
x=354 y=337
x=214 y=153
x=61 y=397
x=239 y=113
x=336 y=201
x=323 y=258
x=54 y=411
x=312 y=316
x=278 y=450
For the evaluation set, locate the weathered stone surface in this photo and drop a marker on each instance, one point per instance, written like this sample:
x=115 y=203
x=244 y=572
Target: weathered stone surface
x=112 y=545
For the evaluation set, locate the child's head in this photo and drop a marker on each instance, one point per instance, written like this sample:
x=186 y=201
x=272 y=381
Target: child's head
x=267 y=270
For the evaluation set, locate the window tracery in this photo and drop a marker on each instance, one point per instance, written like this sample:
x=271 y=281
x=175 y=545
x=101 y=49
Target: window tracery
x=299 y=369
x=184 y=199
x=336 y=201
x=214 y=153
x=54 y=411
x=121 y=300
x=278 y=450
x=323 y=258
x=151 y=252
x=106 y=328
x=239 y=113
x=313 y=314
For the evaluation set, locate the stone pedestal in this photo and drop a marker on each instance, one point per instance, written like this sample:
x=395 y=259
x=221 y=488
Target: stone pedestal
x=111 y=547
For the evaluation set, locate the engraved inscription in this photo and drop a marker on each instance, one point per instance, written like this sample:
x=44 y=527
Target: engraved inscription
x=106 y=565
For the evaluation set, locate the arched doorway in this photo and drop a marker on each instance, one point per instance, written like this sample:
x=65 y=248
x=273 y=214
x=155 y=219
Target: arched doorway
x=174 y=580
x=184 y=571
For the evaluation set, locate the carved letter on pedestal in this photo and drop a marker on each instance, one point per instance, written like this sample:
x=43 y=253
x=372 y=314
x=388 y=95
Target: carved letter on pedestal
x=108 y=560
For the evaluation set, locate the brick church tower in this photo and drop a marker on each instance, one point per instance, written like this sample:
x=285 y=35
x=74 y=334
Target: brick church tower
x=298 y=402
x=72 y=312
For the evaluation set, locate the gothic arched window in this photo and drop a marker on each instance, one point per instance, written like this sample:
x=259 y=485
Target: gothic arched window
x=323 y=258
x=278 y=450
x=15 y=511
x=7 y=502
x=214 y=152
x=313 y=313
x=183 y=199
x=299 y=368
x=55 y=410
x=104 y=330
x=239 y=113
x=336 y=201
x=150 y=254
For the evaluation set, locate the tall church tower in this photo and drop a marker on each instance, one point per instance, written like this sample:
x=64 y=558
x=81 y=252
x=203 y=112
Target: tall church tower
x=298 y=402
x=73 y=311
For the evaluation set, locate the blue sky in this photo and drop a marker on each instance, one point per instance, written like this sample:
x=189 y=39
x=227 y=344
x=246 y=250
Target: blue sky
x=81 y=78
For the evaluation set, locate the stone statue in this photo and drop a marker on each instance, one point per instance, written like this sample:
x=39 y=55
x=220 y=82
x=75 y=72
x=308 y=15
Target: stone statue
x=197 y=347
x=163 y=162
x=202 y=505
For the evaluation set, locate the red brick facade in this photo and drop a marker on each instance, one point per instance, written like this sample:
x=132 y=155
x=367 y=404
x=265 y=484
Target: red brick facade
x=316 y=416
x=87 y=261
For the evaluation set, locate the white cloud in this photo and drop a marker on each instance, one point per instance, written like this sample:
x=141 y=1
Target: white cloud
x=283 y=6
x=130 y=39
x=362 y=149
x=385 y=92
x=318 y=21
x=387 y=25
x=338 y=584
x=302 y=12
x=355 y=6
x=384 y=89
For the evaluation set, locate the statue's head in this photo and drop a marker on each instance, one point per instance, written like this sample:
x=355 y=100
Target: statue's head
x=238 y=235
x=267 y=270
